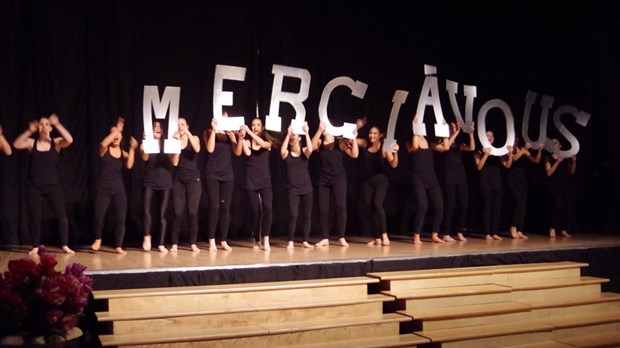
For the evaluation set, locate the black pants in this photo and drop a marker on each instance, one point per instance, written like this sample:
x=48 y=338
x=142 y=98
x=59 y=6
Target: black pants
x=220 y=195
x=293 y=204
x=186 y=197
x=456 y=198
x=491 y=208
x=337 y=189
x=518 y=191
x=56 y=199
x=374 y=195
x=261 y=205
x=561 y=201
x=147 y=217
x=102 y=202
x=423 y=195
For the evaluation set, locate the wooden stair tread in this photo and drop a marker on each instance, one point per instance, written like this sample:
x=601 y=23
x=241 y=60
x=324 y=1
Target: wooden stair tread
x=583 y=319
x=545 y=344
x=403 y=340
x=478 y=270
x=483 y=331
x=237 y=308
x=604 y=339
x=231 y=288
x=549 y=303
x=245 y=331
x=448 y=291
x=466 y=311
x=555 y=283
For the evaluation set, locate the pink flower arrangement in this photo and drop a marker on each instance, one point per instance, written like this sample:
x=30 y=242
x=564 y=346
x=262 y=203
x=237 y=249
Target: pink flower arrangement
x=36 y=300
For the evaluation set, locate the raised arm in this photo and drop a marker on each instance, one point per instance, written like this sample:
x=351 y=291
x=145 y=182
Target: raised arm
x=238 y=149
x=105 y=143
x=350 y=147
x=285 y=143
x=316 y=139
x=24 y=140
x=572 y=168
x=130 y=156
x=442 y=146
x=472 y=143
x=507 y=160
x=550 y=168
x=65 y=138
x=308 y=149
x=536 y=159
x=209 y=136
x=4 y=145
x=482 y=159
x=392 y=157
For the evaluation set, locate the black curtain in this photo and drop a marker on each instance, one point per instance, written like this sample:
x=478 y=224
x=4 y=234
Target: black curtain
x=88 y=61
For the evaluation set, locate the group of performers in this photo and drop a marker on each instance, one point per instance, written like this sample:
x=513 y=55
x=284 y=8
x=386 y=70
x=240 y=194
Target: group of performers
x=179 y=176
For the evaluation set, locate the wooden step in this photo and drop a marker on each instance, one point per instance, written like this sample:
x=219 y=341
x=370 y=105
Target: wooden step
x=449 y=291
x=545 y=344
x=260 y=331
x=583 y=319
x=602 y=339
x=555 y=283
x=605 y=297
x=564 y=289
x=404 y=340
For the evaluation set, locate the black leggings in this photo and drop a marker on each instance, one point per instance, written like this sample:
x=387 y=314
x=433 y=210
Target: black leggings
x=56 y=199
x=561 y=201
x=374 y=195
x=147 y=218
x=338 y=190
x=456 y=198
x=519 y=197
x=102 y=202
x=293 y=204
x=491 y=207
x=220 y=195
x=423 y=195
x=261 y=205
x=186 y=196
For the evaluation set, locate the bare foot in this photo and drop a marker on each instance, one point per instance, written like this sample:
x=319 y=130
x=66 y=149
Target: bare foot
x=34 y=251
x=290 y=245
x=551 y=233
x=416 y=239
x=225 y=246
x=307 y=245
x=120 y=251
x=513 y=232
x=461 y=237
x=343 y=242
x=96 y=244
x=146 y=243
x=257 y=245
x=266 y=245
x=565 y=234
x=66 y=250
x=521 y=235
x=488 y=237
x=374 y=242
x=496 y=237
x=435 y=238
x=384 y=239
x=162 y=249
x=174 y=248
x=449 y=239
x=195 y=248
x=323 y=242
x=212 y=246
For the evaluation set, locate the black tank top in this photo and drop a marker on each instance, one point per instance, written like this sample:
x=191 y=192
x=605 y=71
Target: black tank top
x=219 y=163
x=453 y=168
x=424 y=168
x=374 y=166
x=257 y=175
x=158 y=172
x=516 y=175
x=187 y=169
x=43 y=168
x=110 y=173
x=561 y=176
x=297 y=173
x=491 y=175
x=331 y=162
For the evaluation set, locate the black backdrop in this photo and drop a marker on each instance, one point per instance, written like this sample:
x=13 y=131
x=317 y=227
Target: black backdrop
x=88 y=61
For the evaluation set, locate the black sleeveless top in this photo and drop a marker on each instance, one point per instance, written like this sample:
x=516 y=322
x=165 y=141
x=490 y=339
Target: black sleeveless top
x=491 y=175
x=110 y=178
x=299 y=182
x=374 y=166
x=453 y=168
x=187 y=169
x=257 y=175
x=332 y=165
x=219 y=163
x=158 y=171
x=561 y=177
x=43 y=168
x=516 y=175
x=423 y=168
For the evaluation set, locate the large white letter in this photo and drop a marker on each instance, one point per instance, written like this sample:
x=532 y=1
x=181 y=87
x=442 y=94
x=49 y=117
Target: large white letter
x=273 y=121
x=482 y=127
x=429 y=95
x=151 y=102
x=581 y=117
x=546 y=103
x=358 y=89
x=399 y=99
x=470 y=92
x=221 y=97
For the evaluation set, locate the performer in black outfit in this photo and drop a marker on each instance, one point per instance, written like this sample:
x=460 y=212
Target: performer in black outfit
x=157 y=186
x=491 y=186
x=517 y=184
x=299 y=184
x=560 y=171
x=333 y=180
x=110 y=187
x=186 y=189
x=425 y=185
x=43 y=176
x=456 y=193
x=218 y=172
x=258 y=181
x=5 y=148
x=375 y=178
